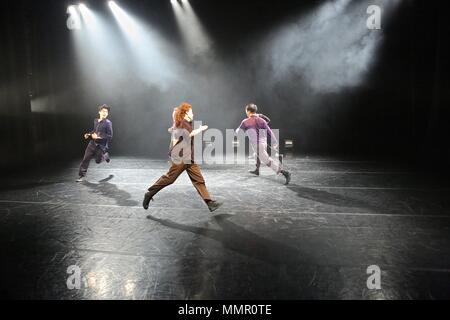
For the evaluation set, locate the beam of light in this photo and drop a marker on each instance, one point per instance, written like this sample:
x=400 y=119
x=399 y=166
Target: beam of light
x=152 y=55
x=99 y=55
x=194 y=36
x=330 y=49
x=178 y=11
x=102 y=41
x=128 y=25
x=87 y=15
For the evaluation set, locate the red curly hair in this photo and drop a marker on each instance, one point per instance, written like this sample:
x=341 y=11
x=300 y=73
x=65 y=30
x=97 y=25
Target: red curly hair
x=180 y=113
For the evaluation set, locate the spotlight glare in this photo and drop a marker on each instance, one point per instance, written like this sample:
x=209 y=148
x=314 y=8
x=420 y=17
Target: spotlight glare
x=72 y=10
x=127 y=23
x=87 y=15
x=289 y=143
x=193 y=33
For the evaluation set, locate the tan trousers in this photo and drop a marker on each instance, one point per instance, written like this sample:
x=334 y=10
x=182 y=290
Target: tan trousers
x=193 y=170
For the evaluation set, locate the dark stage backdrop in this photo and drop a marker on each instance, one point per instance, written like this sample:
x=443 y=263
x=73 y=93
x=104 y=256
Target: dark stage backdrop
x=289 y=58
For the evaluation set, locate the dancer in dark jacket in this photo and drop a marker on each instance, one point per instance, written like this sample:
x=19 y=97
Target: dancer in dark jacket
x=98 y=147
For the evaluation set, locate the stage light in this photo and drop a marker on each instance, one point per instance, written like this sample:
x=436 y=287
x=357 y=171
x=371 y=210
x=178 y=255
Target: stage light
x=195 y=37
x=86 y=14
x=125 y=21
x=289 y=143
x=72 y=10
x=113 y=5
x=151 y=52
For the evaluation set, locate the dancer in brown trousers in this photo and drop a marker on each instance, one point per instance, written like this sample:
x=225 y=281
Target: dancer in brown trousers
x=182 y=156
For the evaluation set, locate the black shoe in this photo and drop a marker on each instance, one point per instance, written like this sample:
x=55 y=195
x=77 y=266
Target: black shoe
x=147 y=199
x=214 y=205
x=255 y=172
x=287 y=175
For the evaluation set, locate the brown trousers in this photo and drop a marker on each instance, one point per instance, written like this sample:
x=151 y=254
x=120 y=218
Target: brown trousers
x=193 y=170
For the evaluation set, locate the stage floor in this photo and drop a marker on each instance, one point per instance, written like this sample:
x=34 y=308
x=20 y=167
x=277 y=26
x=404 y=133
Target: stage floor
x=313 y=239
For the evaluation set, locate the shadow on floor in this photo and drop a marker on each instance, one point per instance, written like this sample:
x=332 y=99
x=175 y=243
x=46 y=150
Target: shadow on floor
x=109 y=190
x=334 y=199
x=240 y=240
x=274 y=269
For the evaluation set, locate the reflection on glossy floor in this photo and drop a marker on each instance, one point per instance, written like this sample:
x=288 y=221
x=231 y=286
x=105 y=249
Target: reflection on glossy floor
x=313 y=239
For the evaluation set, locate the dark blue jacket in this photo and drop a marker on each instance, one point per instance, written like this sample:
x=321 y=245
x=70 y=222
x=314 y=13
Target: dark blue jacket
x=104 y=130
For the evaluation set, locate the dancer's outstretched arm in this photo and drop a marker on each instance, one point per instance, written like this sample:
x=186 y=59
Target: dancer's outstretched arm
x=240 y=127
x=197 y=131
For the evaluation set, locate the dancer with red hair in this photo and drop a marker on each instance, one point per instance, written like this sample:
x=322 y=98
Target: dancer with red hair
x=182 y=157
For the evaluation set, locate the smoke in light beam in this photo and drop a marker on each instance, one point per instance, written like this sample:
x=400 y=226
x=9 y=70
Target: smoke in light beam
x=87 y=15
x=330 y=49
x=152 y=55
x=194 y=36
